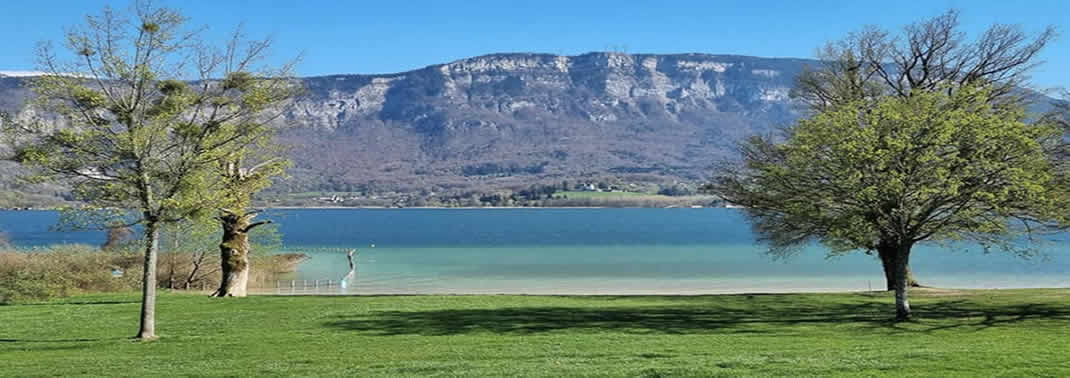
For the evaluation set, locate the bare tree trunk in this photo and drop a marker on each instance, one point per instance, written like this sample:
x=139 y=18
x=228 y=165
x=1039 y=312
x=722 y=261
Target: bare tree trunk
x=197 y=261
x=171 y=272
x=234 y=253
x=148 y=283
x=173 y=253
x=902 y=303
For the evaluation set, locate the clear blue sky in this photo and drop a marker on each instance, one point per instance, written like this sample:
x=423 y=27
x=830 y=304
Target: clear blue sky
x=397 y=35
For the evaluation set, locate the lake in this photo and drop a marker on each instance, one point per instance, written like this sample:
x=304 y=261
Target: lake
x=582 y=251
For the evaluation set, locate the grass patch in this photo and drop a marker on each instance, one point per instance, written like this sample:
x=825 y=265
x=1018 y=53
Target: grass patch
x=1011 y=332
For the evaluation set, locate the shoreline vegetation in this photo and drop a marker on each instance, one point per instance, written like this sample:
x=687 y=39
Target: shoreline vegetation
x=627 y=202
x=429 y=207
x=73 y=269
x=564 y=195
x=525 y=199
x=69 y=270
x=839 y=334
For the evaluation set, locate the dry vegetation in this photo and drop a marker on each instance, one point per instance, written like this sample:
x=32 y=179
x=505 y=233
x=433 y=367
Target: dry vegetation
x=73 y=269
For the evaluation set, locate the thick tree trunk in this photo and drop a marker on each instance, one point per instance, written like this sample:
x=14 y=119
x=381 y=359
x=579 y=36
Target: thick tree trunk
x=902 y=303
x=148 y=283
x=887 y=254
x=234 y=253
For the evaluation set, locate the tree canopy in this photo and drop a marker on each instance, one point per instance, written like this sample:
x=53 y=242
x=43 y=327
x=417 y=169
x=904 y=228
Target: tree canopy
x=933 y=54
x=147 y=113
x=896 y=171
x=865 y=68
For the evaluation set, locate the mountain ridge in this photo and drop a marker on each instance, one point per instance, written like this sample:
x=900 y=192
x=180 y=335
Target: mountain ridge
x=502 y=122
x=513 y=54
x=527 y=117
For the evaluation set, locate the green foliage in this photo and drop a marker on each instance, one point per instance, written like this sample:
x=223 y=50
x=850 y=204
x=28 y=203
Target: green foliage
x=929 y=166
x=24 y=286
x=137 y=134
x=241 y=81
x=132 y=135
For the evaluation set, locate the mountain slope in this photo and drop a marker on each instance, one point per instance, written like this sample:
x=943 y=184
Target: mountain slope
x=511 y=120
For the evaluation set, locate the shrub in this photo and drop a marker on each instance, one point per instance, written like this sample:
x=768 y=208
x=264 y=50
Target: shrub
x=22 y=286
x=71 y=269
x=64 y=270
x=192 y=271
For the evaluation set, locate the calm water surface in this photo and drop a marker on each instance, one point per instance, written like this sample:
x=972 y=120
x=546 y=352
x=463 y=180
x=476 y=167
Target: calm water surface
x=580 y=251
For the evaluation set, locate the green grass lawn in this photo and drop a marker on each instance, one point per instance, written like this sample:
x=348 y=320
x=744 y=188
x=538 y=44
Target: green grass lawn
x=981 y=333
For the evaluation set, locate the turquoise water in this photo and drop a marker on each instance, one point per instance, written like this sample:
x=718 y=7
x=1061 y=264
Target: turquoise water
x=582 y=251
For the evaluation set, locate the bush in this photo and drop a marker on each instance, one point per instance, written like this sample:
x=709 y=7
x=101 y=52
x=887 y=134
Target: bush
x=192 y=271
x=63 y=270
x=23 y=286
x=71 y=269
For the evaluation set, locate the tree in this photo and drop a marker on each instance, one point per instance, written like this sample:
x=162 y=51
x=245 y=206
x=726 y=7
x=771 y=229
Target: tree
x=927 y=56
x=930 y=55
x=891 y=173
x=147 y=112
x=240 y=183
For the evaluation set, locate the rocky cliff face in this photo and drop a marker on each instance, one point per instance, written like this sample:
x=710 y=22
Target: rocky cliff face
x=514 y=119
x=596 y=87
x=508 y=118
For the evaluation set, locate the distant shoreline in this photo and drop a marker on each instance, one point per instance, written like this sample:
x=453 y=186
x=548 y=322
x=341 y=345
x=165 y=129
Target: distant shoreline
x=475 y=207
x=438 y=207
x=423 y=207
x=358 y=292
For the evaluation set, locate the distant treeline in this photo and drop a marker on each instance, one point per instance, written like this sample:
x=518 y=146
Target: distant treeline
x=602 y=193
x=496 y=169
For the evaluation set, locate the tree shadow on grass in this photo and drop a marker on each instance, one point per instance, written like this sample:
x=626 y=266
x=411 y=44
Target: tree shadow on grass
x=697 y=316
x=52 y=345
x=2 y=340
x=85 y=303
x=962 y=314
